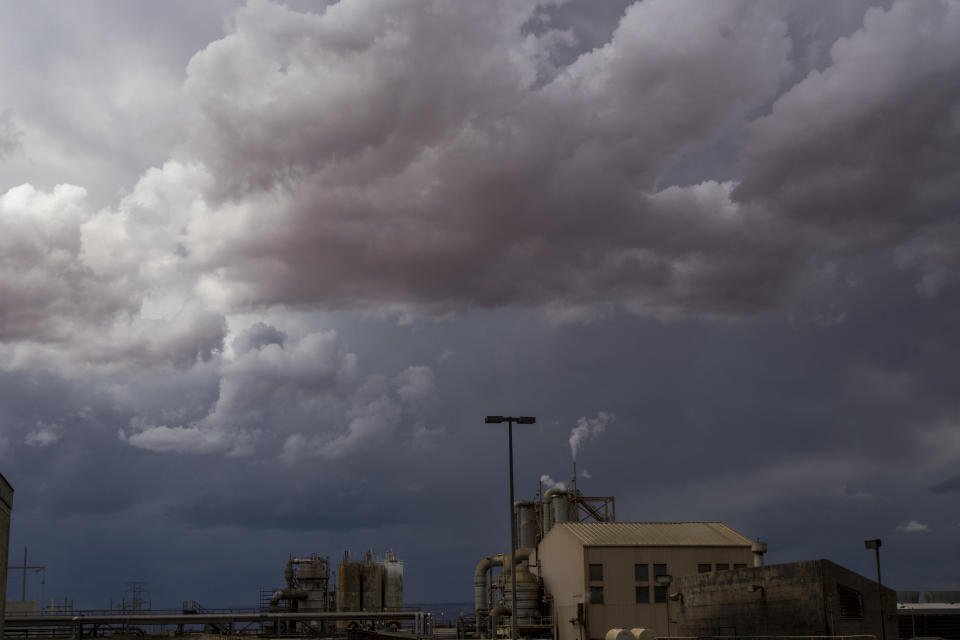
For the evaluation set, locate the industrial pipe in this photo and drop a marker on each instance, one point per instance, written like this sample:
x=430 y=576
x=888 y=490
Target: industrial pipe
x=286 y=594
x=495 y=614
x=480 y=584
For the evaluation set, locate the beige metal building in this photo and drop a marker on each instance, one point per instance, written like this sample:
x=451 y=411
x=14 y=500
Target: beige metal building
x=604 y=575
x=6 y=504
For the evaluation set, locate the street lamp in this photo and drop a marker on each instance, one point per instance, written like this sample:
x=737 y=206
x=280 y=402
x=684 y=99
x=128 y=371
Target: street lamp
x=875 y=545
x=513 y=528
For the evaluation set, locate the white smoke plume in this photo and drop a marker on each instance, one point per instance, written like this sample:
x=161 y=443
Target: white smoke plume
x=549 y=483
x=589 y=429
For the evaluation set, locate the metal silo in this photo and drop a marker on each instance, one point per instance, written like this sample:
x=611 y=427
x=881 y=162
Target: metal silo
x=392 y=583
x=349 y=579
x=371 y=586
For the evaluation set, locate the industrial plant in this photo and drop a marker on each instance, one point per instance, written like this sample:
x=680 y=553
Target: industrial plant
x=574 y=573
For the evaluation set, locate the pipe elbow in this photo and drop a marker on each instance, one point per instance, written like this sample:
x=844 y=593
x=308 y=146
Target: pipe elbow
x=480 y=573
x=523 y=554
x=549 y=493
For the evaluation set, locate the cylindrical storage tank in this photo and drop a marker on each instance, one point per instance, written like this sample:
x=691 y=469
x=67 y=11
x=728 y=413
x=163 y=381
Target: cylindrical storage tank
x=393 y=584
x=560 y=510
x=619 y=634
x=371 y=597
x=348 y=585
x=526 y=530
x=758 y=548
x=639 y=633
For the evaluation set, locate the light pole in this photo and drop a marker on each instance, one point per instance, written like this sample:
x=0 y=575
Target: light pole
x=513 y=528
x=875 y=545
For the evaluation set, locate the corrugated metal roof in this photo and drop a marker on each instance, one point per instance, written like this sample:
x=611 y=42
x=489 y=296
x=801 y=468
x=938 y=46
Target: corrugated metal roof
x=655 y=534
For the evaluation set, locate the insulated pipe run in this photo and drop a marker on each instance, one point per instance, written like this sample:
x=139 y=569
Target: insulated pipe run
x=480 y=583
x=286 y=594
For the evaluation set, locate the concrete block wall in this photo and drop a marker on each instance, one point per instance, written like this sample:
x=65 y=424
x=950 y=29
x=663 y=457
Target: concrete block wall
x=724 y=602
x=834 y=575
x=798 y=598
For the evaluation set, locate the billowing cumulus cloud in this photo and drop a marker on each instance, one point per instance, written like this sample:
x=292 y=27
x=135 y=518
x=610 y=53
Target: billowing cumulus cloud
x=861 y=154
x=322 y=167
x=309 y=392
x=333 y=171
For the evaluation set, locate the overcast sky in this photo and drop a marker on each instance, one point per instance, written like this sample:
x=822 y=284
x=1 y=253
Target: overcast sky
x=264 y=268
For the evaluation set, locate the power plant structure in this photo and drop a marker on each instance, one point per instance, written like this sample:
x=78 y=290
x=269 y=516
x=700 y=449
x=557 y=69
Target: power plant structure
x=367 y=600
x=581 y=574
x=368 y=585
x=534 y=520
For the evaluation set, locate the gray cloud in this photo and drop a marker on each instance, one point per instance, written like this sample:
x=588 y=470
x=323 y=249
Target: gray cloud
x=473 y=185
x=861 y=154
x=10 y=135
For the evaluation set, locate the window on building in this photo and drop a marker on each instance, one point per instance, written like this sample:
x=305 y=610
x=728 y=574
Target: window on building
x=643 y=595
x=641 y=572
x=739 y=565
x=659 y=594
x=704 y=568
x=723 y=566
x=659 y=570
x=596 y=595
x=595 y=571
x=851 y=603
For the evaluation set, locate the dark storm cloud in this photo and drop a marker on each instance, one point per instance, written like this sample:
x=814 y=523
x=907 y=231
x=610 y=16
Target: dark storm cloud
x=862 y=154
x=947 y=486
x=471 y=184
x=343 y=175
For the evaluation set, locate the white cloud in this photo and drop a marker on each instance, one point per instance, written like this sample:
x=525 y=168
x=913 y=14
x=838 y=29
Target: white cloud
x=913 y=527
x=299 y=390
x=415 y=384
x=43 y=435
